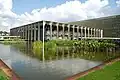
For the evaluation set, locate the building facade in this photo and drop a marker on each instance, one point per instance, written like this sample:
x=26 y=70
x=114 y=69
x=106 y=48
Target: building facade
x=48 y=30
x=110 y=25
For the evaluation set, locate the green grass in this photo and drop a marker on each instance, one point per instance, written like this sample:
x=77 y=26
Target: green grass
x=109 y=72
x=3 y=76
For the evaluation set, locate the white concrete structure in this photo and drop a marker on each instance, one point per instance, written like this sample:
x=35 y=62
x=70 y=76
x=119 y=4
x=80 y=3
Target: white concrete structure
x=47 y=30
x=8 y=37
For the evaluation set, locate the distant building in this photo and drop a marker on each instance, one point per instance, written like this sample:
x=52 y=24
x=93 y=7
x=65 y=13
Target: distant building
x=48 y=30
x=110 y=25
x=9 y=37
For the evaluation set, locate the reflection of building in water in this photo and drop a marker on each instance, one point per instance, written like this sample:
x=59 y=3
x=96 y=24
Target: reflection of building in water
x=48 y=30
x=28 y=47
x=71 y=66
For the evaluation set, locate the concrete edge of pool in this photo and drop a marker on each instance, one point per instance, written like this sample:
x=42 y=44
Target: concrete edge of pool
x=9 y=72
x=81 y=74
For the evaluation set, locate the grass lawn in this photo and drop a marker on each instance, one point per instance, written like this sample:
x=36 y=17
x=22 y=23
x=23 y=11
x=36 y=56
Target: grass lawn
x=3 y=76
x=109 y=72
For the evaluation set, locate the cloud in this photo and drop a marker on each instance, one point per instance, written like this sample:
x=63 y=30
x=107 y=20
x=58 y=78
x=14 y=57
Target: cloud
x=118 y=3
x=69 y=11
x=72 y=10
x=6 y=15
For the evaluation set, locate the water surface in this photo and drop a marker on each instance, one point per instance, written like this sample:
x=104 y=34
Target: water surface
x=29 y=68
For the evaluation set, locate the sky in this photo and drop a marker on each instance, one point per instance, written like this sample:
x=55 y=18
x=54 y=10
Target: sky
x=14 y=13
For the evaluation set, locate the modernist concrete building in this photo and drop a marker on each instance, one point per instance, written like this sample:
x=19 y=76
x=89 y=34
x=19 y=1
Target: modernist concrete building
x=110 y=25
x=47 y=30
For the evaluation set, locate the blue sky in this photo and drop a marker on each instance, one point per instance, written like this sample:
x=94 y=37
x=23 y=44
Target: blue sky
x=21 y=6
x=15 y=13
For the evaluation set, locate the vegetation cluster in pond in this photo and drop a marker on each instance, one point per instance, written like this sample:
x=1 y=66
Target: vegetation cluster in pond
x=82 y=44
x=56 y=46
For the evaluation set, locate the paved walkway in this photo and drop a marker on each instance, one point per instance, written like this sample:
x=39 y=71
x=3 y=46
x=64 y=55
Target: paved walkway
x=11 y=74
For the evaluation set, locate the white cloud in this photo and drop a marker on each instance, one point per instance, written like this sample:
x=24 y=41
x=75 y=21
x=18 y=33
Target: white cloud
x=6 y=15
x=118 y=3
x=69 y=11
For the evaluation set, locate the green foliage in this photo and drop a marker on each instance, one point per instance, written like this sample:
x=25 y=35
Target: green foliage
x=3 y=76
x=50 y=47
x=37 y=48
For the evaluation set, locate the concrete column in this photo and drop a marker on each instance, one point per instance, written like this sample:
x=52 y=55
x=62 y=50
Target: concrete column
x=81 y=32
x=94 y=32
x=25 y=32
x=57 y=30
x=63 y=31
x=91 y=32
x=43 y=39
x=31 y=32
x=73 y=31
x=50 y=30
x=34 y=32
x=28 y=33
x=68 y=32
x=101 y=33
x=38 y=31
x=88 y=32
x=97 y=33
x=85 y=32
x=22 y=33
x=77 y=32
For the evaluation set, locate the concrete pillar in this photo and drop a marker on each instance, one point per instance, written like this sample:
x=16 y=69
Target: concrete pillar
x=94 y=32
x=43 y=39
x=88 y=32
x=25 y=32
x=34 y=32
x=91 y=32
x=57 y=30
x=31 y=32
x=38 y=31
x=50 y=30
x=98 y=33
x=68 y=32
x=22 y=33
x=85 y=32
x=63 y=30
x=28 y=33
x=101 y=33
x=73 y=31
x=81 y=32
x=77 y=32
